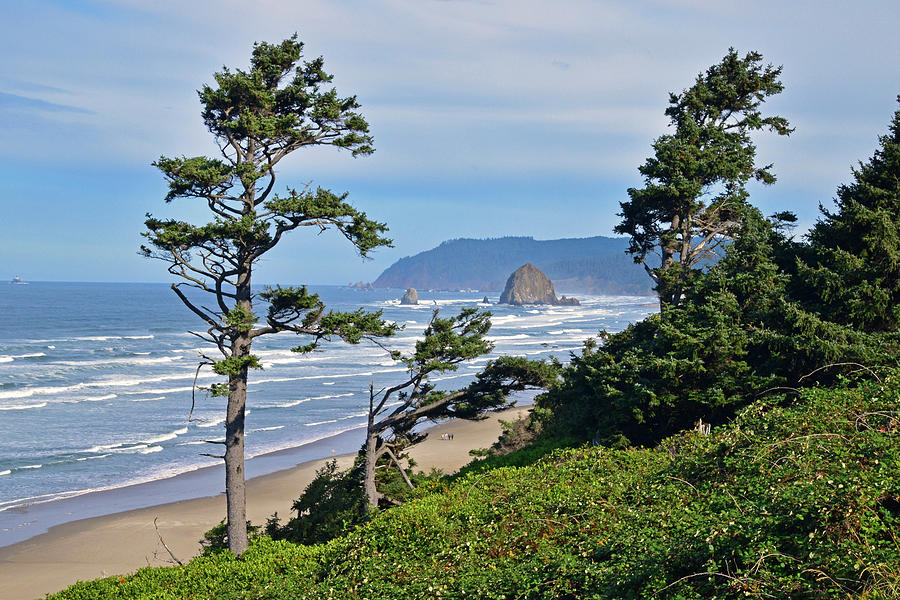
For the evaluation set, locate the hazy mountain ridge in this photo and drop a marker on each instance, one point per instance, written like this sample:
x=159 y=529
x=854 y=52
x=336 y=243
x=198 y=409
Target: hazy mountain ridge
x=583 y=265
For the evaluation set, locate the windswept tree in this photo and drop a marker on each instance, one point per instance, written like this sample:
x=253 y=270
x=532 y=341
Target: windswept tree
x=695 y=196
x=257 y=118
x=446 y=344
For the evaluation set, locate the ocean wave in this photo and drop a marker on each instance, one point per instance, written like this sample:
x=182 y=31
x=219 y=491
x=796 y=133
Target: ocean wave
x=23 y=406
x=517 y=336
x=165 y=436
x=6 y=359
x=24 y=467
x=115 y=361
x=275 y=428
x=90 y=399
x=153 y=399
x=354 y=416
x=212 y=423
x=6 y=472
x=291 y=403
x=151 y=450
x=124 y=381
x=84 y=458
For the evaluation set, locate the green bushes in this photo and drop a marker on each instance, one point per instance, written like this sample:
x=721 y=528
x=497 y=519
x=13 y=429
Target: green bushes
x=793 y=500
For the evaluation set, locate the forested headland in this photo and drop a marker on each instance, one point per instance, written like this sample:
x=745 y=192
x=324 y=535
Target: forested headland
x=595 y=265
x=742 y=442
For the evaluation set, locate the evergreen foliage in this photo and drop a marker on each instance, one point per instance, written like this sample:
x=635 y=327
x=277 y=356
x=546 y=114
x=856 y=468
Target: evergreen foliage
x=737 y=335
x=694 y=196
x=853 y=270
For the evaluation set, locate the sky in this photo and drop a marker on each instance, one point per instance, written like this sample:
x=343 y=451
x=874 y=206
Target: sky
x=490 y=118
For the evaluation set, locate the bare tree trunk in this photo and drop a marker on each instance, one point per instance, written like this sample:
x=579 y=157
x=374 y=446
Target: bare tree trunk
x=235 y=488
x=667 y=253
x=372 y=494
x=371 y=442
x=235 y=485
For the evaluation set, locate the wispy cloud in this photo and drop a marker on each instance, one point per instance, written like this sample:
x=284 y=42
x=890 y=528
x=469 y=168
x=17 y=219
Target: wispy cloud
x=24 y=103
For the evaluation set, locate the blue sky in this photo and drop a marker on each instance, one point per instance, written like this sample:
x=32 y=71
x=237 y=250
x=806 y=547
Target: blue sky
x=511 y=117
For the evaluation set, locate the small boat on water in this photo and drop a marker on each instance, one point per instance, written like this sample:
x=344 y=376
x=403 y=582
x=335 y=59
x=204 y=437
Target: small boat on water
x=18 y=281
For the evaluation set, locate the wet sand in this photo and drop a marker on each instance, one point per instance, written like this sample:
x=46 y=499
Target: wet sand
x=122 y=542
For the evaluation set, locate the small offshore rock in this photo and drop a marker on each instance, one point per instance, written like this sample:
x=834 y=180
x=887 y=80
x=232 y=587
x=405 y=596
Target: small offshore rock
x=410 y=297
x=485 y=300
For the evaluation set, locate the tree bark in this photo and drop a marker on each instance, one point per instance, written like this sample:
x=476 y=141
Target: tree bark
x=372 y=494
x=667 y=252
x=235 y=485
x=235 y=488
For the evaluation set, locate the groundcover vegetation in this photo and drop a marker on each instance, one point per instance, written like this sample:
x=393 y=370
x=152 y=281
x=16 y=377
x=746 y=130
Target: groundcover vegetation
x=799 y=497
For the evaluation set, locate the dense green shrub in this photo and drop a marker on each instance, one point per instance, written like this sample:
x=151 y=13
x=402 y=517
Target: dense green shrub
x=796 y=499
x=737 y=335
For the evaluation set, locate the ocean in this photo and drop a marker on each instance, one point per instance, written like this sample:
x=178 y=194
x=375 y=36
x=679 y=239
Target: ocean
x=96 y=381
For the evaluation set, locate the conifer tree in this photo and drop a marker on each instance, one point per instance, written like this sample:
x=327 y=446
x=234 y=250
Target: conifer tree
x=854 y=268
x=257 y=118
x=694 y=196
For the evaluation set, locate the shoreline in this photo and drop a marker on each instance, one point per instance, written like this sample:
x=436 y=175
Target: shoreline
x=204 y=481
x=121 y=540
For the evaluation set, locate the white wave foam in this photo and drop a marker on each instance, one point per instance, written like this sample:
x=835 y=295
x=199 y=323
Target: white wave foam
x=153 y=399
x=152 y=449
x=30 y=467
x=6 y=359
x=23 y=406
x=564 y=331
x=212 y=423
x=356 y=416
x=6 y=472
x=32 y=355
x=291 y=403
x=90 y=399
x=103 y=383
x=193 y=443
x=517 y=336
x=165 y=436
x=266 y=429
x=116 y=361
x=327 y=383
x=92 y=457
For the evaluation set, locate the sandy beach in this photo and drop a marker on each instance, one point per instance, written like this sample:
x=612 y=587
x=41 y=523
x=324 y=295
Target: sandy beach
x=122 y=542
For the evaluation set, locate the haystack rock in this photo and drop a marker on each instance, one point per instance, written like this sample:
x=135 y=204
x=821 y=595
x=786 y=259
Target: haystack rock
x=528 y=285
x=410 y=297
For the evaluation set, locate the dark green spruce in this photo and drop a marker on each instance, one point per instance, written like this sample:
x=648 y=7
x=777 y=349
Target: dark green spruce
x=853 y=272
x=257 y=118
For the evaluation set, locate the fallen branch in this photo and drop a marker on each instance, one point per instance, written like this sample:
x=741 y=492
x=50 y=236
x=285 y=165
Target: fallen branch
x=163 y=542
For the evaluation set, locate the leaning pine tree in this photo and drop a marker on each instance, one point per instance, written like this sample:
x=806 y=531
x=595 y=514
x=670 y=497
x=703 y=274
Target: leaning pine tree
x=257 y=118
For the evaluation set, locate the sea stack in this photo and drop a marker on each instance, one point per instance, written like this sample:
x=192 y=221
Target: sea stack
x=410 y=297
x=528 y=285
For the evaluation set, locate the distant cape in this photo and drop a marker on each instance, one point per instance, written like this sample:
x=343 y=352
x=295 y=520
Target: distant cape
x=595 y=265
